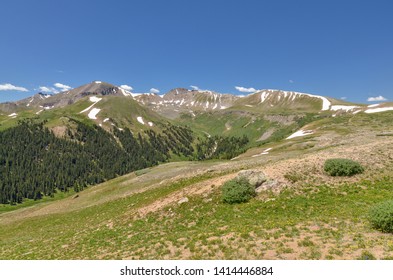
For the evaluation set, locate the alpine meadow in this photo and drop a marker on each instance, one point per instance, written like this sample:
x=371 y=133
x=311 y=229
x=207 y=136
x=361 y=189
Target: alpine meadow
x=97 y=172
x=188 y=130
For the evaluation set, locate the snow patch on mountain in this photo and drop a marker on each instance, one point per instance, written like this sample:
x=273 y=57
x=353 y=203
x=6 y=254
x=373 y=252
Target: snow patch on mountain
x=265 y=152
x=88 y=108
x=140 y=119
x=92 y=99
x=345 y=108
x=93 y=113
x=378 y=110
x=300 y=133
x=127 y=93
x=31 y=100
x=325 y=102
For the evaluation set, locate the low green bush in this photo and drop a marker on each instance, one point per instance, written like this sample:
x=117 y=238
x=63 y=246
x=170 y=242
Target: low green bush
x=381 y=216
x=366 y=255
x=293 y=177
x=342 y=167
x=237 y=191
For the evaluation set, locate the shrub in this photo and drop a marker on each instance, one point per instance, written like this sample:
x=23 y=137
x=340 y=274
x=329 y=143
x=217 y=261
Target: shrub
x=381 y=216
x=366 y=255
x=293 y=177
x=342 y=167
x=237 y=191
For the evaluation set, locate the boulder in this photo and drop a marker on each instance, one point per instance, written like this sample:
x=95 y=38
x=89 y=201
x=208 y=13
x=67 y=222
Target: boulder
x=268 y=185
x=254 y=177
x=183 y=200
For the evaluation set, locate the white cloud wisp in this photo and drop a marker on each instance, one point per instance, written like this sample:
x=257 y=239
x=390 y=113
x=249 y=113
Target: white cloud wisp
x=154 y=90
x=12 y=87
x=62 y=87
x=48 y=89
x=376 y=98
x=126 y=87
x=248 y=90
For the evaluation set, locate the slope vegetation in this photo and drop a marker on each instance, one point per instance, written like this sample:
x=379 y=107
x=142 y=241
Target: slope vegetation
x=144 y=215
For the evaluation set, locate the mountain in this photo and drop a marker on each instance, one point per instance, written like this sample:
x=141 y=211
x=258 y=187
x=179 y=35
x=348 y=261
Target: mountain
x=142 y=175
x=62 y=99
x=279 y=100
x=181 y=100
x=34 y=101
x=263 y=115
x=88 y=135
x=269 y=101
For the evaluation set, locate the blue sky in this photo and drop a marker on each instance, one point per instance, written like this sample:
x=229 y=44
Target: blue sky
x=341 y=49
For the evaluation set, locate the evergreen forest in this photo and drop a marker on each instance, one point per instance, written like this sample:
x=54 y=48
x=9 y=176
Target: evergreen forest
x=36 y=163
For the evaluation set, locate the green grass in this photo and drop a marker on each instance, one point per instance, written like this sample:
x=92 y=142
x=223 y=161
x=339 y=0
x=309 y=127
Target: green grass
x=31 y=202
x=106 y=224
x=238 y=123
x=8 y=122
x=228 y=124
x=113 y=230
x=123 y=111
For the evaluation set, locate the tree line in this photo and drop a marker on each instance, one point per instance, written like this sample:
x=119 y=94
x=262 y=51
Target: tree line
x=35 y=163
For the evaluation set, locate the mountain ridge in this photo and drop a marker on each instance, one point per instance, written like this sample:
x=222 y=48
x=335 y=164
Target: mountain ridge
x=181 y=101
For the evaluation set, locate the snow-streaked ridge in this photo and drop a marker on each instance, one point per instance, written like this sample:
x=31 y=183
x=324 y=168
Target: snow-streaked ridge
x=292 y=95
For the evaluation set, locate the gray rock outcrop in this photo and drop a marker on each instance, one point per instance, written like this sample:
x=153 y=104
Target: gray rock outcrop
x=254 y=177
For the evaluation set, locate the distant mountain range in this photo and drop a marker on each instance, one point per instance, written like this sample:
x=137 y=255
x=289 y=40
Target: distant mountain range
x=98 y=131
x=180 y=100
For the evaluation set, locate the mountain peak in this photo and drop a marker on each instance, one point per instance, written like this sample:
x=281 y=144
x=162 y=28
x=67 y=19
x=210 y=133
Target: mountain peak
x=177 y=91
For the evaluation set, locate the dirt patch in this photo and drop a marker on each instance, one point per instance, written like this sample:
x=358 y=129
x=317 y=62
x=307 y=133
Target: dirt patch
x=308 y=168
x=201 y=188
x=59 y=131
x=267 y=134
x=285 y=120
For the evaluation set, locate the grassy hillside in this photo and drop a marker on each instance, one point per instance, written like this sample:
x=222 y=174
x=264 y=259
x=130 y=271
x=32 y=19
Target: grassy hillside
x=259 y=128
x=138 y=216
x=123 y=111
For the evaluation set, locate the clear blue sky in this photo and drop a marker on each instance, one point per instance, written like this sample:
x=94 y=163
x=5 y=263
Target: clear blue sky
x=331 y=48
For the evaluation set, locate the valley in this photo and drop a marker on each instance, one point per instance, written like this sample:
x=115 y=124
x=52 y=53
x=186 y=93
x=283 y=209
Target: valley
x=172 y=209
